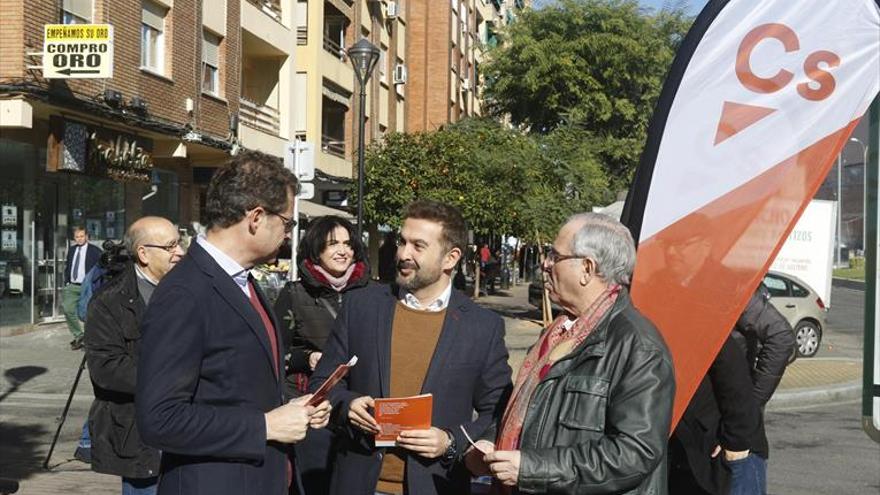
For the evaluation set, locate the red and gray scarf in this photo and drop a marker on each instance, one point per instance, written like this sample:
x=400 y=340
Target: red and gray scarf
x=538 y=362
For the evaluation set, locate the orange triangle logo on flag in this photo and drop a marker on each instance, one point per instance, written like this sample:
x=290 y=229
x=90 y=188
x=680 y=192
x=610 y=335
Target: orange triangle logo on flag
x=736 y=117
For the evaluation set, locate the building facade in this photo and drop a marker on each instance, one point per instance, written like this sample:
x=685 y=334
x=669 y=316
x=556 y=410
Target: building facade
x=100 y=153
x=446 y=45
x=326 y=91
x=192 y=82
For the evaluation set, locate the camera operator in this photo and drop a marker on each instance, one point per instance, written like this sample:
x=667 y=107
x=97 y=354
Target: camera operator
x=112 y=339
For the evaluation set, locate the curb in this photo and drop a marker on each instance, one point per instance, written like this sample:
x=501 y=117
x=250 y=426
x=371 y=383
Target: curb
x=848 y=283
x=26 y=329
x=815 y=395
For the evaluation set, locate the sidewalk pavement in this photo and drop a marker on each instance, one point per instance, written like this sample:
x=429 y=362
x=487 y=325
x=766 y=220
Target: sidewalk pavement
x=28 y=412
x=806 y=381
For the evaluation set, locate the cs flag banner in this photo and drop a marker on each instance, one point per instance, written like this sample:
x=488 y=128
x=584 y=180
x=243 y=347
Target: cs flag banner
x=761 y=98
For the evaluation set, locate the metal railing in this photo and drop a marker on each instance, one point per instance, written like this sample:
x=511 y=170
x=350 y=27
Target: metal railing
x=272 y=8
x=334 y=48
x=331 y=145
x=260 y=117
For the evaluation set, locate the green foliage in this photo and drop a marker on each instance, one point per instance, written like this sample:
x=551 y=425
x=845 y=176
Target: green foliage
x=595 y=64
x=503 y=180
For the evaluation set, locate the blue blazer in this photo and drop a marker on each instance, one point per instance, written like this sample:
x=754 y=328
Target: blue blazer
x=93 y=255
x=205 y=379
x=468 y=372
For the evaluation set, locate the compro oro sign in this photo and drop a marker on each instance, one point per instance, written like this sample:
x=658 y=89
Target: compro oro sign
x=78 y=51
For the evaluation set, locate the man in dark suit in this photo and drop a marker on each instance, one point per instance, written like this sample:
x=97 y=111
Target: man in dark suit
x=81 y=257
x=209 y=386
x=416 y=336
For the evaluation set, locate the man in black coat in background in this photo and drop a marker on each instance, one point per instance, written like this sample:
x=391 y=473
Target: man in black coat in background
x=717 y=430
x=112 y=350
x=768 y=342
x=764 y=341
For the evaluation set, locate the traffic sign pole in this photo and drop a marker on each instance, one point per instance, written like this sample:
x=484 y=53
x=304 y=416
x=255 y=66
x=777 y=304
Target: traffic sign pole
x=294 y=235
x=299 y=157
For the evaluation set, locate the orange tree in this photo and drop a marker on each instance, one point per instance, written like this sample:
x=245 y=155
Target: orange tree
x=504 y=181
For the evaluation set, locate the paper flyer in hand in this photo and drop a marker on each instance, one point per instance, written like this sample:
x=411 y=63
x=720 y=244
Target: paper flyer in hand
x=338 y=374
x=402 y=413
x=471 y=441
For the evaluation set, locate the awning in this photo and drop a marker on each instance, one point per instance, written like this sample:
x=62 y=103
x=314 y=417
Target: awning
x=313 y=210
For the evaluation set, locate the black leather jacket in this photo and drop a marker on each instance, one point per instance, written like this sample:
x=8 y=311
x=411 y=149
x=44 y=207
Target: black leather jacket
x=599 y=421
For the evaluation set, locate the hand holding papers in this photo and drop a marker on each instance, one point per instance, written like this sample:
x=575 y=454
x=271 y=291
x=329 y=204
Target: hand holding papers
x=338 y=374
x=400 y=414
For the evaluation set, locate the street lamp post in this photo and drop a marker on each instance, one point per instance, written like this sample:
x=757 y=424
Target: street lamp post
x=363 y=56
x=864 y=190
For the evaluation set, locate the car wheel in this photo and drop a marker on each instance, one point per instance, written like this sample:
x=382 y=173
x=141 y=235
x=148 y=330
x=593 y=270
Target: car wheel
x=809 y=336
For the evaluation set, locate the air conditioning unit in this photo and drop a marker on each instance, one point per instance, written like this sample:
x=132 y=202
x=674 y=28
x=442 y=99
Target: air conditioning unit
x=391 y=10
x=399 y=74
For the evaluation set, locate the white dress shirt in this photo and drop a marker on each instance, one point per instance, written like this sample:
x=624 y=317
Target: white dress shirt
x=438 y=304
x=78 y=272
x=238 y=273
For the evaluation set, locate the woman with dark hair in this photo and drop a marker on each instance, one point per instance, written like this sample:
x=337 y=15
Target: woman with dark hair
x=331 y=262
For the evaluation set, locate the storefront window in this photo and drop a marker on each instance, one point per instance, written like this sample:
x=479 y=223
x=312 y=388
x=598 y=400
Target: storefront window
x=17 y=200
x=38 y=210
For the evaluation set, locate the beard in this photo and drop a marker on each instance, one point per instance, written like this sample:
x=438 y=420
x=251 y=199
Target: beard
x=418 y=278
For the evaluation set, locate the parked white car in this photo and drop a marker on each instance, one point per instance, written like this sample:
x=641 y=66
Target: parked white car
x=801 y=306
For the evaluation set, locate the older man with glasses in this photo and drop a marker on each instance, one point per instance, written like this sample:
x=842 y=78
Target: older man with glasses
x=592 y=403
x=112 y=342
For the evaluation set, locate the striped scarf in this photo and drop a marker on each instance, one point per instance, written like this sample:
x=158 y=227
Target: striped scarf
x=539 y=361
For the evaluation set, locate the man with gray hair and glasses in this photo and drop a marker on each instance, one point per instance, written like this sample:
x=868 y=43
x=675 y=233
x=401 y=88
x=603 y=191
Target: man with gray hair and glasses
x=592 y=404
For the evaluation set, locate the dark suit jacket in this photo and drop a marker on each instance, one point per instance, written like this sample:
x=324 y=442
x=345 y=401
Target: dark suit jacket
x=468 y=372
x=93 y=255
x=205 y=380
x=723 y=411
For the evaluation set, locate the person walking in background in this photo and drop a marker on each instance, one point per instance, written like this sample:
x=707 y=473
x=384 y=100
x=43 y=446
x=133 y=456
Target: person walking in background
x=331 y=263
x=592 y=404
x=112 y=343
x=210 y=375
x=81 y=258
x=416 y=336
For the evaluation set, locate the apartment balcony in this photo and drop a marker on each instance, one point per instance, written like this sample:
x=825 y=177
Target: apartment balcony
x=261 y=117
x=334 y=48
x=334 y=108
x=332 y=146
x=272 y=8
x=259 y=23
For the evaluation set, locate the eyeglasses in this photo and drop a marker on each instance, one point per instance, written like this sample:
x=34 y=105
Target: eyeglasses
x=170 y=247
x=554 y=257
x=289 y=223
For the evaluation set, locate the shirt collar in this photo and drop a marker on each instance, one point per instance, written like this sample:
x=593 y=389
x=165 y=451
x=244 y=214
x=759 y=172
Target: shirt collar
x=238 y=273
x=438 y=304
x=141 y=275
